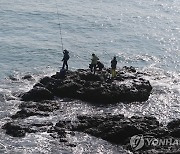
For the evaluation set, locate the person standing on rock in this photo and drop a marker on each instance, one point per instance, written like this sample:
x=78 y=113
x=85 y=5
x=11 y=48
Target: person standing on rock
x=94 y=63
x=113 y=66
x=65 y=59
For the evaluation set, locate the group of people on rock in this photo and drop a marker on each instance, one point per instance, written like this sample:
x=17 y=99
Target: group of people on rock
x=95 y=63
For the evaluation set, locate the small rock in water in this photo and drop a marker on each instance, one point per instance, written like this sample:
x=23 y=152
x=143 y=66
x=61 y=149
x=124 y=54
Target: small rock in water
x=27 y=77
x=13 y=78
x=14 y=129
x=71 y=145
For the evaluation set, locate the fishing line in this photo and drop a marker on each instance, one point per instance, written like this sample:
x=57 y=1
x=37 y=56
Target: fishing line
x=108 y=54
x=60 y=32
x=60 y=29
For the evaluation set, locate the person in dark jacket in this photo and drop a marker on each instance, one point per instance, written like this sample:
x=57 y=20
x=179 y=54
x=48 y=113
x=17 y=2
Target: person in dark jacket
x=100 y=65
x=94 y=63
x=62 y=74
x=113 y=67
x=65 y=59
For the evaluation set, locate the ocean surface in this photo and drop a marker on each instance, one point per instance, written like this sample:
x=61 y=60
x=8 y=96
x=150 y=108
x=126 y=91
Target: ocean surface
x=141 y=33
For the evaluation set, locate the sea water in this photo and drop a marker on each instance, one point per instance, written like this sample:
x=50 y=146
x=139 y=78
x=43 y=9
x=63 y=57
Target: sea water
x=143 y=34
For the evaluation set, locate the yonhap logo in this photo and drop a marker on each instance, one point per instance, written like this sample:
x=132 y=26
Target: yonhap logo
x=137 y=142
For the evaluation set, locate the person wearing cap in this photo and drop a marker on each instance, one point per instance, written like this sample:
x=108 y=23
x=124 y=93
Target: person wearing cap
x=113 y=66
x=65 y=59
x=94 y=63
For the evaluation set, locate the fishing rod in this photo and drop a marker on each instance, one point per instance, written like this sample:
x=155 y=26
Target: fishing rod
x=60 y=31
x=108 y=54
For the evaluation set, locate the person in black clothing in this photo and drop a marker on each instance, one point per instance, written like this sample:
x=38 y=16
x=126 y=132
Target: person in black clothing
x=93 y=64
x=62 y=73
x=113 y=67
x=65 y=59
x=100 y=65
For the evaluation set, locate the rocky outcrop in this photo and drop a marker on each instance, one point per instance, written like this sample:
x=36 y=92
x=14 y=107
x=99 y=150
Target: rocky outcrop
x=20 y=128
x=128 y=86
x=174 y=127
x=115 y=128
x=42 y=108
x=137 y=134
x=37 y=94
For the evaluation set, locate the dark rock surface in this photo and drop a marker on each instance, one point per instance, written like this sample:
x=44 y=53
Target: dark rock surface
x=42 y=108
x=174 y=127
x=119 y=130
x=27 y=77
x=37 y=94
x=116 y=129
x=128 y=86
x=20 y=128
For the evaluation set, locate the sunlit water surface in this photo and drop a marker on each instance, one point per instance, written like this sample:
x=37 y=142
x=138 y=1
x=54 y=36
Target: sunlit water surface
x=143 y=34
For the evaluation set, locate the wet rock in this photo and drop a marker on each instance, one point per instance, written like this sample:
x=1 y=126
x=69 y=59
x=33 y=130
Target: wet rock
x=71 y=145
x=46 y=80
x=58 y=133
x=119 y=129
x=27 y=112
x=63 y=140
x=37 y=94
x=90 y=77
x=20 y=128
x=38 y=85
x=13 y=78
x=114 y=128
x=27 y=77
x=128 y=86
x=42 y=124
x=68 y=90
x=175 y=133
x=42 y=108
x=129 y=69
x=15 y=129
x=174 y=124
x=174 y=128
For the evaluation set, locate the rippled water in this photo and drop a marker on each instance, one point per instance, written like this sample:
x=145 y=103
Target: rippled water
x=144 y=34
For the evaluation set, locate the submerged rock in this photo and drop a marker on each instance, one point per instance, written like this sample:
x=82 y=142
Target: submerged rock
x=128 y=86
